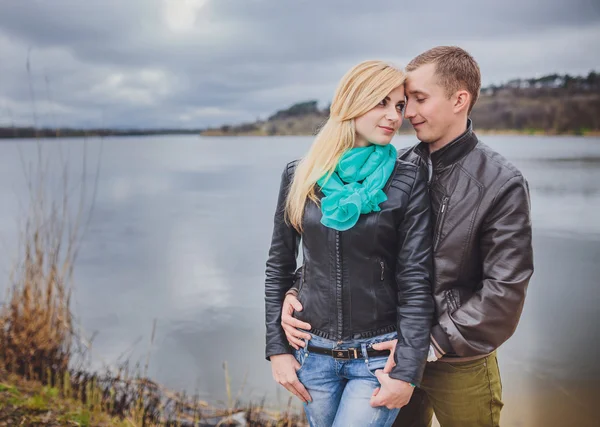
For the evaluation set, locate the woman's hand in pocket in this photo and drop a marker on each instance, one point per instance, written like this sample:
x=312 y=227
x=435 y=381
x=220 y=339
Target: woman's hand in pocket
x=284 y=367
x=391 y=346
x=392 y=393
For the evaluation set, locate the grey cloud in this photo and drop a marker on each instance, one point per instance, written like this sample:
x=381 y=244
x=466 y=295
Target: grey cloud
x=75 y=23
x=129 y=63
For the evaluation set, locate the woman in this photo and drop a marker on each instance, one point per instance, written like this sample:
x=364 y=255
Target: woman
x=363 y=219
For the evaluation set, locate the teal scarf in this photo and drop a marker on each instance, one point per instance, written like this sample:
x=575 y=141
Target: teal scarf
x=355 y=187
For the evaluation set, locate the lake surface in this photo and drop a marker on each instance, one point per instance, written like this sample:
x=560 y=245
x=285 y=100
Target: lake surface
x=180 y=233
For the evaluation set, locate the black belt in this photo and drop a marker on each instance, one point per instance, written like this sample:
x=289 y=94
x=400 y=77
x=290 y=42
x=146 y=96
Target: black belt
x=348 y=353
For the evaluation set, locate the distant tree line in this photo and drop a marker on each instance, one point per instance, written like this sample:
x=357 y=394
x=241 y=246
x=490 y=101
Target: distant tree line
x=573 y=84
x=553 y=103
x=31 y=132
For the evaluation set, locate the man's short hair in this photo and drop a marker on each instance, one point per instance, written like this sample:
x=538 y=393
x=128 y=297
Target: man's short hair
x=455 y=68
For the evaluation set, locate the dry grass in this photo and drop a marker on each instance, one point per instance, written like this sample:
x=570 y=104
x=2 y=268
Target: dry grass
x=40 y=342
x=36 y=322
x=43 y=351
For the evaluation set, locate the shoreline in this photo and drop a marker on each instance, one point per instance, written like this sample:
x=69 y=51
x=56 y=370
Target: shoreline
x=32 y=402
x=219 y=133
x=585 y=134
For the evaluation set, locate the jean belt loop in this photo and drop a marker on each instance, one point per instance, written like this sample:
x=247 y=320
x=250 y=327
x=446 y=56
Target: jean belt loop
x=363 y=349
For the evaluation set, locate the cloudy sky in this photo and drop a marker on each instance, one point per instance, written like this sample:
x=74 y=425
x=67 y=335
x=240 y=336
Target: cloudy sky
x=198 y=63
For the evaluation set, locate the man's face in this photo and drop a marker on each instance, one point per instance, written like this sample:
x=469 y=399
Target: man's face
x=428 y=108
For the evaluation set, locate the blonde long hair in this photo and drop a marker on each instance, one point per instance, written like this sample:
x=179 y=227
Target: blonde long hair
x=360 y=90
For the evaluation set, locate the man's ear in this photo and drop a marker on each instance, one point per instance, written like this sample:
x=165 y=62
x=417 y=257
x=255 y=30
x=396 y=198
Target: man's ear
x=462 y=101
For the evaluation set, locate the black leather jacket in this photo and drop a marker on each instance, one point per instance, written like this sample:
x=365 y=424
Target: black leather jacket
x=483 y=256
x=372 y=279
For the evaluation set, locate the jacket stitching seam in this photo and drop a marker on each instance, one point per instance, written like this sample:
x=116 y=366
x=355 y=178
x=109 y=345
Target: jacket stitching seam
x=503 y=165
x=472 y=220
x=400 y=189
x=487 y=373
x=502 y=188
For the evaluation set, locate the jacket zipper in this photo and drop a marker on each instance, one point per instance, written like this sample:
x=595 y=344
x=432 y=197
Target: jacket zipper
x=456 y=306
x=441 y=216
x=382 y=269
x=302 y=280
x=451 y=301
x=340 y=318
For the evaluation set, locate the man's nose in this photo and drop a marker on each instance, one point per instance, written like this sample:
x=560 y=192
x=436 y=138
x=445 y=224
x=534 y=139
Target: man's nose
x=409 y=111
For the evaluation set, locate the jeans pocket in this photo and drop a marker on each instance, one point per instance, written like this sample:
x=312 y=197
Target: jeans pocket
x=467 y=367
x=376 y=363
x=301 y=356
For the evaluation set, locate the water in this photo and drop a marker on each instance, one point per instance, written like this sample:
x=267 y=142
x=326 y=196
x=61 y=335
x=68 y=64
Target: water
x=180 y=233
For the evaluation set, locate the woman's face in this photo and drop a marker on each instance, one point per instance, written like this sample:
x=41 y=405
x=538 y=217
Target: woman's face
x=379 y=125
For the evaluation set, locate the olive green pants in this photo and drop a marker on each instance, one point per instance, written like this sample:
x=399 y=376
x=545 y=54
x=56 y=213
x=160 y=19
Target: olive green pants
x=465 y=394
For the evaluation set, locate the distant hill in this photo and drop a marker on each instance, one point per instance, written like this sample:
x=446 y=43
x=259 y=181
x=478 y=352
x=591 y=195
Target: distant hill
x=300 y=119
x=552 y=104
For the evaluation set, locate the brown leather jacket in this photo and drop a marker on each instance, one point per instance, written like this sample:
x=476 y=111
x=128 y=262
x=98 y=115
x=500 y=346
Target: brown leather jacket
x=483 y=256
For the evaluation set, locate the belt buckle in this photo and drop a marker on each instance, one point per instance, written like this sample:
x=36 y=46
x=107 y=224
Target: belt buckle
x=340 y=354
x=350 y=353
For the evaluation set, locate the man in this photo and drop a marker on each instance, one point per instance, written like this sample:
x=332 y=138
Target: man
x=482 y=247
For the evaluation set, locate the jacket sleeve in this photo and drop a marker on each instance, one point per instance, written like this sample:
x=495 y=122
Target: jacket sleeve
x=413 y=277
x=490 y=316
x=281 y=264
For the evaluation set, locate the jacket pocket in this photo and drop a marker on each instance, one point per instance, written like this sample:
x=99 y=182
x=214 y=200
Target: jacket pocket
x=302 y=280
x=303 y=297
x=440 y=222
x=453 y=300
x=381 y=269
x=384 y=283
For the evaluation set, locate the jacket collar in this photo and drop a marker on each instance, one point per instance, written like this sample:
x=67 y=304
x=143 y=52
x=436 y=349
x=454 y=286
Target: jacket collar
x=452 y=152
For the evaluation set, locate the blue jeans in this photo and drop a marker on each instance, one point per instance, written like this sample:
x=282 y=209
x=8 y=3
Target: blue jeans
x=341 y=389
